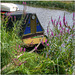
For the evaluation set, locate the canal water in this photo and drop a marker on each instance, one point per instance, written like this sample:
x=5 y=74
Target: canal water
x=44 y=15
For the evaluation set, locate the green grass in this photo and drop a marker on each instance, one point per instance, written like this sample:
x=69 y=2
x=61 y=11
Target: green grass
x=8 y=42
x=30 y=58
x=35 y=64
x=57 y=57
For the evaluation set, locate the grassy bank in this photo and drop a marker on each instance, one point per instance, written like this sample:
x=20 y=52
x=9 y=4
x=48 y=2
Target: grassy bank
x=51 y=4
x=57 y=57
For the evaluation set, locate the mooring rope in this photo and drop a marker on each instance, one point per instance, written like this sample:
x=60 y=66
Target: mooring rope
x=36 y=46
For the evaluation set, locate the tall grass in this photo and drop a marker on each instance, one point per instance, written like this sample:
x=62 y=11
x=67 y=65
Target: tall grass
x=57 y=57
x=9 y=39
x=59 y=49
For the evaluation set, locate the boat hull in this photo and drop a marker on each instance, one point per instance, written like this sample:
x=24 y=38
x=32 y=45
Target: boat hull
x=34 y=40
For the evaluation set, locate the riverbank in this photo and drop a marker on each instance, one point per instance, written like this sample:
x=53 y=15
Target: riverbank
x=64 y=5
x=69 y=6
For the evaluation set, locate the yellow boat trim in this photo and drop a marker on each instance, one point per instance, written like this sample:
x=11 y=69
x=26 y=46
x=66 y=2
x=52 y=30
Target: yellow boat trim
x=26 y=34
x=40 y=32
x=33 y=40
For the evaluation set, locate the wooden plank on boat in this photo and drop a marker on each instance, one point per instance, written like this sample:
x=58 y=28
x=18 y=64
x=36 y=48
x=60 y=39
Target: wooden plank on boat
x=33 y=40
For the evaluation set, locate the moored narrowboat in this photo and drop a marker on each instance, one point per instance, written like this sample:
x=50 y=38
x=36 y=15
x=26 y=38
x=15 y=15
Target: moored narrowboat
x=31 y=30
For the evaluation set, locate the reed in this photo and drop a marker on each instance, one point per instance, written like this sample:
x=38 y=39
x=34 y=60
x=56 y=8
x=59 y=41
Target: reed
x=9 y=39
x=57 y=57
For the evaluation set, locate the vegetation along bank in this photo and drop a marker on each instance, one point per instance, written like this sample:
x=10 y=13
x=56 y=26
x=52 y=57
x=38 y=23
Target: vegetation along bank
x=67 y=5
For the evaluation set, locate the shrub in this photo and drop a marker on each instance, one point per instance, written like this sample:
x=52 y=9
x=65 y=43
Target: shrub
x=59 y=45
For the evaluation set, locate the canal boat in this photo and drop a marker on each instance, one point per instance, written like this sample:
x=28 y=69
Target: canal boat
x=31 y=30
x=9 y=7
